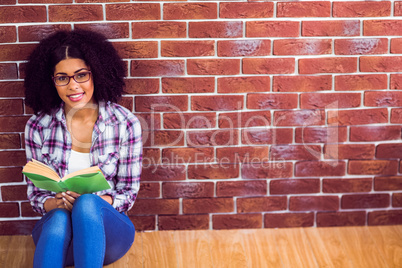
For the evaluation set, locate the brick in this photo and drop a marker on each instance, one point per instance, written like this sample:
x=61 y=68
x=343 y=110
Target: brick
x=11 y=174
x=397 y=200
x=241 y=188
x=299 y=118
x=393 y=183
x=215 y=29
x=217 y=103
x=396 y=116
x=10 y=141
x=329 y=219
x=183 y=222
x=396 y=45
x=155 y=206
x=149 y=190
x=110 y=30
x=302 y=47
x=349 y=151
x=320 y=168
x=15 y=52
x=398 y=8
x=8 y=210
x=246 y=10
x=187 y=189
x=381 y=63
x=213 y=138
x=163 y=173
x=33 y=33
x=238 y=221
x=187 y=48
x=188 y=84
x=328 y=65
x=372 y=167
x=14 y=192
x=165 y=103
x=267 y=136
x=164 y=138
x=46 y=1
x=389 y=150
x=361 y=9
x=8 y=2
x=295 y=152
x=241 y=48
x=159 y=29
x=382 y=27
x=358 y=117
x=347 y=185
x=213 y=171
x=11 y=107
x=19 y=227
x=243 y=84
x=365 y=201
x=272 y=101
x=141 y=86
x=144 y=223
x=187 y=155
x=302 y=83
x=331 y=28
x=288 y=220
x=27 y=211
x=21 y=14
x=213 y=66
x=268 y=65
x=387 y=217
x=63 y=13
x=361 y=82
x=361 y=46
x=321 y=134
x=149 y=121
x=8 y=34
x=254 y=154
x=133 y=11
x=294 y=186
x=151 y=156
x=244 y=119
x=396 y=81
x=259 y=204
x=314 y=203
x=137 y=49
x=267 y=170
x=208 y=205
x=383 y=99
x=189 y=120
x=272 y=29
x=377 y=133
x=304 y=9
x=190 y=11
x=12 y=158
x=329 y=100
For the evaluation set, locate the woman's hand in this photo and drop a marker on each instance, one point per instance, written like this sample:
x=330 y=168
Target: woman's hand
x=68 y=199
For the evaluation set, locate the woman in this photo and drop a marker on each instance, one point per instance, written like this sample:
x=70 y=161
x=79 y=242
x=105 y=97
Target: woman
x=73 y=81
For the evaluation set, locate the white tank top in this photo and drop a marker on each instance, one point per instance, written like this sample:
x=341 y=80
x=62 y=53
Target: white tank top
x=78 y=161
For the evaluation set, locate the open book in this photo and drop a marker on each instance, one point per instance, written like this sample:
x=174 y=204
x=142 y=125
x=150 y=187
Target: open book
x=84 y=181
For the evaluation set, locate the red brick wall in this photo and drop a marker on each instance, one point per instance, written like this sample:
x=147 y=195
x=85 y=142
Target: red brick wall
x=255 y=114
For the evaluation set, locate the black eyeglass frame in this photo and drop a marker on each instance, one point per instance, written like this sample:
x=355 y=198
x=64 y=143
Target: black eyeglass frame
x=73 y=77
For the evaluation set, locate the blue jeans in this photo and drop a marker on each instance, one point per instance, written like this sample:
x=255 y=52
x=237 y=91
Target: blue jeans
x=92 y=235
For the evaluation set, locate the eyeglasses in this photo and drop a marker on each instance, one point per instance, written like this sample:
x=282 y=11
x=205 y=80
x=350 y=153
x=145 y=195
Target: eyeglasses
x=64 y=80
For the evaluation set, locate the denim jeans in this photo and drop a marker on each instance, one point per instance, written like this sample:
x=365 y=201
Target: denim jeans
x=92 y=235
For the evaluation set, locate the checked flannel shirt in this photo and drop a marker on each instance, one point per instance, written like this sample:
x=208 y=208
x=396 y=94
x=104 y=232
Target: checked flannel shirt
x=116 y=148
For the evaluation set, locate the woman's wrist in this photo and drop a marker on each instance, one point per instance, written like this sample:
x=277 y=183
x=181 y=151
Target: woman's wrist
x=107 y=198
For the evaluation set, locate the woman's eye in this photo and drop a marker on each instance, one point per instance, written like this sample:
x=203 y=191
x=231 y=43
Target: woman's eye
x=61 y=78
x=81 y=75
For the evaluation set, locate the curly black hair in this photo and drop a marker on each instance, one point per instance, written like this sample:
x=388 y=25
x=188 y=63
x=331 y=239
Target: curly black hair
x=108 y=69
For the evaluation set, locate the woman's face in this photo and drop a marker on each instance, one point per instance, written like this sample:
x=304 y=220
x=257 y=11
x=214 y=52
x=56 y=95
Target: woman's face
x=74 y=94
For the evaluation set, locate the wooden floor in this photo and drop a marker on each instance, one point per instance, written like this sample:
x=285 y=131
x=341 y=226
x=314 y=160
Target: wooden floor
x=377 y=247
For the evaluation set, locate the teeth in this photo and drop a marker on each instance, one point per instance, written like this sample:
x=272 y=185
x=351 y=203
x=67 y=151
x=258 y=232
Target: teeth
x=75 y=96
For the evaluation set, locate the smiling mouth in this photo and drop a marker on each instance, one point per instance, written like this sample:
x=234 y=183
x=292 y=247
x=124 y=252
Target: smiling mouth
x=76 y=97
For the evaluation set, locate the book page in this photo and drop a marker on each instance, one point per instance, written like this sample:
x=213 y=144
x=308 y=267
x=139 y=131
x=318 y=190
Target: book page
x=37 y=167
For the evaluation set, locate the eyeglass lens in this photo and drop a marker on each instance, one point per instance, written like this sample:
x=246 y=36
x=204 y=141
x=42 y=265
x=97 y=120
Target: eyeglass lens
x=64 y=80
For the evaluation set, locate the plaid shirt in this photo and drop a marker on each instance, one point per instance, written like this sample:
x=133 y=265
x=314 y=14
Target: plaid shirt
x=116 y=148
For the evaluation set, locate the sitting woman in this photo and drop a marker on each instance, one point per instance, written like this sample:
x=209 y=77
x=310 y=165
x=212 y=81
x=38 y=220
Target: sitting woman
x=73 y=81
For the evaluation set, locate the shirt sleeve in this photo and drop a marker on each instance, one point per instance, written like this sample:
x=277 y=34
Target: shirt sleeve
x=33 y=146
x=129 y=170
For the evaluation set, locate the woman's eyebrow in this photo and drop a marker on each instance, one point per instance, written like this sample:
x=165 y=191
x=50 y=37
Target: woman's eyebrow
x=79 y=70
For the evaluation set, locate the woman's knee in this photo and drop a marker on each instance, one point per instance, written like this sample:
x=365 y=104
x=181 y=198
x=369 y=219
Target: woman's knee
x=58 y=223
x=85 y=204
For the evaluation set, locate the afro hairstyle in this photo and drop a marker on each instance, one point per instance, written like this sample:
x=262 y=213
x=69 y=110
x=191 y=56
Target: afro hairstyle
x=108 y=69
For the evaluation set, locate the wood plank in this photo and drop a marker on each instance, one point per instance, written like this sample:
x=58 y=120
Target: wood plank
x=227 y=249
x=361 y=247
x=20 y=253
x=133 y=258
x=294 y=248
x=260 y=248
x=4 y=242
x=327 y=247
x=193 y=249
x=159 y=249
x=389 y=243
